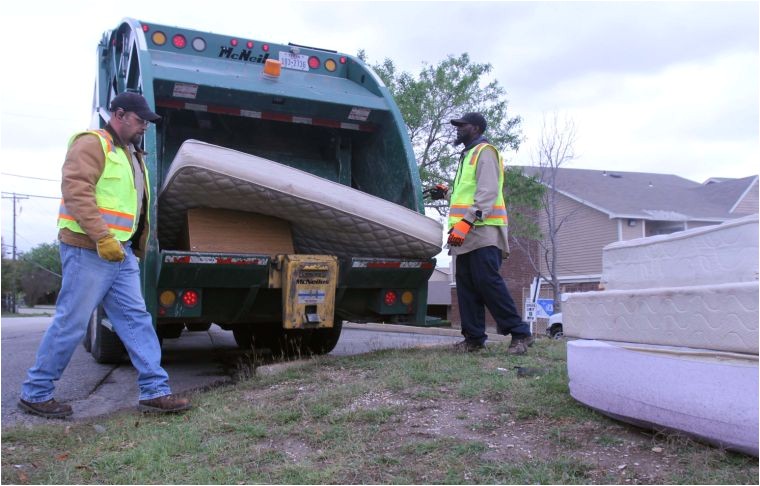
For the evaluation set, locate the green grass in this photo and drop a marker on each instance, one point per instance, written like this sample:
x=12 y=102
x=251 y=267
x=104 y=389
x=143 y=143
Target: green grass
x=423 y=416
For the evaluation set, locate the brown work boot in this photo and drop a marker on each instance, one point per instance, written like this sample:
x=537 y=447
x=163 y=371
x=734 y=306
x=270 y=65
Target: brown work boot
x=518 y=346
x=48 y=409
x=466 y=346
x=530 y=340
x=164 y=404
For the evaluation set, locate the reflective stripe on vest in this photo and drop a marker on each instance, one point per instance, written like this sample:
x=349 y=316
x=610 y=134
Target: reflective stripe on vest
x=465 y=186
x=115 y=192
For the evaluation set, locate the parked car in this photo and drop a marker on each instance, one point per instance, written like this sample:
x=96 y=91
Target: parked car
x=554 y=327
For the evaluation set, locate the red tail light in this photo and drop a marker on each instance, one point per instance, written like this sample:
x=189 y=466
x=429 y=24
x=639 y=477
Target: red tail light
x=390 y=297
x=314 y=62
x=179 y=41
x=190 y=298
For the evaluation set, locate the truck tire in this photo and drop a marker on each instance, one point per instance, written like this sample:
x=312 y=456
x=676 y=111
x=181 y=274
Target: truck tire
x=105 y=345
x=322 y=341
x=87 y=341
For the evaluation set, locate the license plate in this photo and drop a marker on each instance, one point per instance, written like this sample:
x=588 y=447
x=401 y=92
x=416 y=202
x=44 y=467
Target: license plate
x=294 y=61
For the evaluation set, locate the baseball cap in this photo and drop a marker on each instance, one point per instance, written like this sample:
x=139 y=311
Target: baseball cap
x=134 y=102
x=473 y=119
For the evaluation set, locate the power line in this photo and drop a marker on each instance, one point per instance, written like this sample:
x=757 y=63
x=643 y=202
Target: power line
x=9 y=195
x=30 y=177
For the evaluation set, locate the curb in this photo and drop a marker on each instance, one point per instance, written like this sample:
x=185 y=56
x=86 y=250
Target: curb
x=430 y=331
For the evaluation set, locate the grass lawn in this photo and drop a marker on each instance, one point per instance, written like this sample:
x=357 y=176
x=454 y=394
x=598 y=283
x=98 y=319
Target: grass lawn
x=415 y=416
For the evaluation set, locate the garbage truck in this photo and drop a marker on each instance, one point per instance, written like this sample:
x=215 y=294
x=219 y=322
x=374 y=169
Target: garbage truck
x=321 y=114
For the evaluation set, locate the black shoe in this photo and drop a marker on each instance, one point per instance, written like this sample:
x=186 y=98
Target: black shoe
x=48 y=409
x=466 y=346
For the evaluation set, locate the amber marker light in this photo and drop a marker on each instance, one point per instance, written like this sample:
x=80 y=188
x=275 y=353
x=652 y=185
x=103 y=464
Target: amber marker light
x=407 y=298
x=330 y=65
x=272 y=69
x=159 y=38
x=167 y=298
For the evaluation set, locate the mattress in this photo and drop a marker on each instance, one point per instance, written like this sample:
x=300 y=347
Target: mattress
x=710 y=395
x=326 y=217
x=710 y=255
x=720 y=317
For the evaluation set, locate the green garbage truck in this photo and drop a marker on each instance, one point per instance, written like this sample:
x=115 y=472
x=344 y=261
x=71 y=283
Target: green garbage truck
x=324 y=116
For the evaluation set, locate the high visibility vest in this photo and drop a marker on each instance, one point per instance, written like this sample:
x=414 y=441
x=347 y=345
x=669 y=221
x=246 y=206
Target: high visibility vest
x=115 y=192
x=465 y=186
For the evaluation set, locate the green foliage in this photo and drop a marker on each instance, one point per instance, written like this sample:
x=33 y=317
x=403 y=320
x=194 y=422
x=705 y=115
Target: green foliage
x=439 y=93
x=36 y=273
x=39 y=272
x=442 y=92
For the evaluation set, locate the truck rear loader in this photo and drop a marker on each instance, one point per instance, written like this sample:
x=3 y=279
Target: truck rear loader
x=311 y=109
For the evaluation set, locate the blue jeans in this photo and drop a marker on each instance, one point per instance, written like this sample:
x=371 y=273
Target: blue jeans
x=89 y=280
x=479 y=285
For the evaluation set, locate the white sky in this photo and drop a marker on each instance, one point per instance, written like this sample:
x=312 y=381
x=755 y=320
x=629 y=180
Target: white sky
x=666 y=87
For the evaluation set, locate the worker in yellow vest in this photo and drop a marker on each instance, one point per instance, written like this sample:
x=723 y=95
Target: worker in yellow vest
x=478 y=240
x=102 y=225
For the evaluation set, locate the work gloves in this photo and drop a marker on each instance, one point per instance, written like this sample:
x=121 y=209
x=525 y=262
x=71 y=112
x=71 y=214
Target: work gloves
x=436 y=192
x=458 y=232
x=109 y=248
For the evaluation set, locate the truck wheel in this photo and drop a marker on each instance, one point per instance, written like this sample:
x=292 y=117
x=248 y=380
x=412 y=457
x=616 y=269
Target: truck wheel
x=260 y=336
x=87 y=341
x=556 y=331
x=324 y=340
x=198 y=326
x=105 y=345
x=170 y=331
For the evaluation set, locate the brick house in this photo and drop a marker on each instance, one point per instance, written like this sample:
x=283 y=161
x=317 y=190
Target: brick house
x=602 y=207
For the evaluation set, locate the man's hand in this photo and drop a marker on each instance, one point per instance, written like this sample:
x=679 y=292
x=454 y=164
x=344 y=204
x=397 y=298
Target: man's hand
x=438 y=191
x=109 y=248
x=458 y=232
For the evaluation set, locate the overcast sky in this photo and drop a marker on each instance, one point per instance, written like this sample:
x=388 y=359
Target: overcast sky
x=667 y=87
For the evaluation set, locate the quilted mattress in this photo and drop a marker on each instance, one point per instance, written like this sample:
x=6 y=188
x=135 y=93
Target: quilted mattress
x=710 y=255
x=720 y=317
x=326 y=217
x=712 y=396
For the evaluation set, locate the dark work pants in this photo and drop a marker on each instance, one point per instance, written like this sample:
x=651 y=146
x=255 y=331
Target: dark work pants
x=479 y=285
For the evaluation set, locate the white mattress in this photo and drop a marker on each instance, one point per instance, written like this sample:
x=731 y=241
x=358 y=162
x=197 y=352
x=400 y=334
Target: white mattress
x=720 y=317
x=326 y=217
x=713 y=396
x=710 y=255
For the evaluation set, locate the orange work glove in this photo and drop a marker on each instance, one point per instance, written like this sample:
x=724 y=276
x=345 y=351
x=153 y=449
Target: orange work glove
x=109 y=248
x=458 y=232
x=438 y=192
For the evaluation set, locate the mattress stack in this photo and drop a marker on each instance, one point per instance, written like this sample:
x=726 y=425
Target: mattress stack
x=672 y=341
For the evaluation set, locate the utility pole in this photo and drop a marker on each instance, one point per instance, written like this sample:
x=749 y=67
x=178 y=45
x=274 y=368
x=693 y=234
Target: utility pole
x=15 y=197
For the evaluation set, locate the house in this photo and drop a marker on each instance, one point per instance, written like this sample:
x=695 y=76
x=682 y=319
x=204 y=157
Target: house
x=600 y=207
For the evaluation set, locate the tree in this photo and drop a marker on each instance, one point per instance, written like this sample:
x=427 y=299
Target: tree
x=438 y=94
x=555 y=148
x=40 y=272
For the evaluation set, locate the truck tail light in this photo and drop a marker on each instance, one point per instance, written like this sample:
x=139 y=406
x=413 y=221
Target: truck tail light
x=159 y=38
x=167 y=298
x=407 y=297
x=179 y=41
x=190 y=298
x=390 y=297
x=314 y=62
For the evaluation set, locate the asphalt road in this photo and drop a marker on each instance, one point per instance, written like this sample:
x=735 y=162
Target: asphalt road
x=194 y=361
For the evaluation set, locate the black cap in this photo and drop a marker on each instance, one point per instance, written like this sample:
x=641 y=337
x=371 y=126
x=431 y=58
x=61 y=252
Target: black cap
x=134 y=102
x=473 y=119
